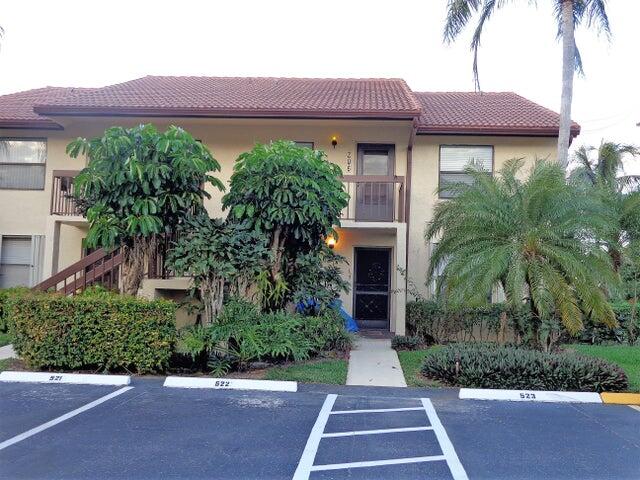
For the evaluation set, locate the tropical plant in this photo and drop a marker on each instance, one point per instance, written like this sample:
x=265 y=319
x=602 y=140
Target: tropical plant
x=293 y=196
x=533 y=237
x=140 y=183
x=604 y=176
x=568 y=14
x=219 y=256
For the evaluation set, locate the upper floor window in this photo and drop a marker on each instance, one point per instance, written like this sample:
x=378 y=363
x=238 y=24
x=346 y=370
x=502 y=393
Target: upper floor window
x=304 y=144
x=454 y=159
x=22 y=163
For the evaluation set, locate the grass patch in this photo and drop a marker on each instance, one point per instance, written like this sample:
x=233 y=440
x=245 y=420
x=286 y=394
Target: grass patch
x=625 y=356
x=10 y=364
x=323 y=371
x=411 y=362
x=5 y=339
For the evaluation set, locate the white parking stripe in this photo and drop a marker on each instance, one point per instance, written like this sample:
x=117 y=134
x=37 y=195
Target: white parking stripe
x=376 y=410
x=311 y=448
x=62 y=418
x=376 y=463
x=457 y=470
x=375 y=432
x=635 y=407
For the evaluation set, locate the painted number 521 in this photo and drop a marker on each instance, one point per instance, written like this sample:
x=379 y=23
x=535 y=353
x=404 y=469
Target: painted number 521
x=55 y=378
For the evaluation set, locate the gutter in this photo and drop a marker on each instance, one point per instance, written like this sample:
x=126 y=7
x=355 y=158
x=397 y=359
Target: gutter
x=407 y=202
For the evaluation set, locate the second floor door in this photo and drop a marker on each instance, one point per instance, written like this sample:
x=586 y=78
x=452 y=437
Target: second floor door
x=375 y=195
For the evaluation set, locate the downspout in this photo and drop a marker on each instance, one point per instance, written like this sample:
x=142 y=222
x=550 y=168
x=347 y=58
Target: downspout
x=407 y=193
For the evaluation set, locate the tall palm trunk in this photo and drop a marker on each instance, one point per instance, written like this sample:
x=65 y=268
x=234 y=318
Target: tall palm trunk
x=568 y=68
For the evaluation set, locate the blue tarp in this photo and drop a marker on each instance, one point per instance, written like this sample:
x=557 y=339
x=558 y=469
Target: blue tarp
x=310 y=305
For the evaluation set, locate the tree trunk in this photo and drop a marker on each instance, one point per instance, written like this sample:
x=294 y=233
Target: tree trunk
x=133 y=261
x=568 y=68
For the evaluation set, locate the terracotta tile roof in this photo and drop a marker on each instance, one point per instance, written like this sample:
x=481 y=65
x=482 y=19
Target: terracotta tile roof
x=499 y=113
x=16 y=109
x=243 y=97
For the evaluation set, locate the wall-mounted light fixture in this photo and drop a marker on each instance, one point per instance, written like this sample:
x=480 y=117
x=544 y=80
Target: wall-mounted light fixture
x=334 y=141
x=331 y=241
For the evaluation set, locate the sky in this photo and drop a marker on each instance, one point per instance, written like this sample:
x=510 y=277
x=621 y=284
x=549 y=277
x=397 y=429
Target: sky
x=90 y=43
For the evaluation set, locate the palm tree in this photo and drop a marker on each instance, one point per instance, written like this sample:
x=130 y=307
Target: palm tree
x=604 y=176
x=568 y=14
x=529 y=236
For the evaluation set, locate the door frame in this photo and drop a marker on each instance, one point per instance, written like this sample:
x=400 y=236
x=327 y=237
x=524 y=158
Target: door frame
x=389 y=250
x=391 y=147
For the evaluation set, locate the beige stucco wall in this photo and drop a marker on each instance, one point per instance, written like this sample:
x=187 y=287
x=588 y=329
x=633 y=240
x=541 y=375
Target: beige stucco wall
x=425 y=182
x=27 y=212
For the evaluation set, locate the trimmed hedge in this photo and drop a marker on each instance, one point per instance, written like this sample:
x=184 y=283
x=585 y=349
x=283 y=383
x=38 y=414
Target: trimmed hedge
x=97 y=331
x=493 y=366
x=7 y=294
x=434 y=323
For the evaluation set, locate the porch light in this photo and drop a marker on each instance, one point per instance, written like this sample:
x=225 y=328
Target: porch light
x=331 y=241
x=334 y=141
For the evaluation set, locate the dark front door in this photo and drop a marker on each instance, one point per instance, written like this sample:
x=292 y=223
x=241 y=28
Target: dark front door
x=371 y=287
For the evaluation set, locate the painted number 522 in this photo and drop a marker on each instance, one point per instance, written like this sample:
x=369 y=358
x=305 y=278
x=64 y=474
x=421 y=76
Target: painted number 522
x=222 y=383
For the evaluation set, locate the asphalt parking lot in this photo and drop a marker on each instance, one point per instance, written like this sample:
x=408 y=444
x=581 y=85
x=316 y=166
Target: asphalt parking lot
x=320 y=432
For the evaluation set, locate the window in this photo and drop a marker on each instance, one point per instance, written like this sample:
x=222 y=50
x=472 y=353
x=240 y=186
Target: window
x=21 y=260
x=454 y=159
x=22 y=163
x=304 y=144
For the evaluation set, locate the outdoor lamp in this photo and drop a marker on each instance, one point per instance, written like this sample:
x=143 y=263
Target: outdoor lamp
x=331 y=241
x=334 y=141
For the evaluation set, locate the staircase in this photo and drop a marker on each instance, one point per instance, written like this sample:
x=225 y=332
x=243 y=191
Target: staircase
x=97 y=268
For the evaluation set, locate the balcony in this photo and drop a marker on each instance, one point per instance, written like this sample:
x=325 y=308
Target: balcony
x=62 y=201
x=374 y=198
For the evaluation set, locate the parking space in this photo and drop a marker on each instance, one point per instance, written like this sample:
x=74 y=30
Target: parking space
x=320 y=432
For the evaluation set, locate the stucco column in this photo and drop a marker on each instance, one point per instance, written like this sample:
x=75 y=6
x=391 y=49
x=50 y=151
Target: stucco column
x=401 y=292
x=51 y=247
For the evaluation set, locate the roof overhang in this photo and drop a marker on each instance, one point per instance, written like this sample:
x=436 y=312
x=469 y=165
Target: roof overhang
x=43 y=124
x=497 y=131
x=64 y=110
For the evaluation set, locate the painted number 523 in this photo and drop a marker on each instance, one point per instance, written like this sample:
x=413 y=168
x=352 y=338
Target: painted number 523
x=528 y=396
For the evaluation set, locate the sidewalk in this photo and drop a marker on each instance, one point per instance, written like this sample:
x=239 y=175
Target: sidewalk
x=7 y=352
x=373 y=362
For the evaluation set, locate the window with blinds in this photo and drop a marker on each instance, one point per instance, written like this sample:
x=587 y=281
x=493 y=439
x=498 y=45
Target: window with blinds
x=454 y=159
x=22 y=163
x=21 y=259
x=304 y=144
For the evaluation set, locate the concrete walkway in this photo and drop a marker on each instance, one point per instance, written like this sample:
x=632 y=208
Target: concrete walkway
x=374 y=363
x=7 y=352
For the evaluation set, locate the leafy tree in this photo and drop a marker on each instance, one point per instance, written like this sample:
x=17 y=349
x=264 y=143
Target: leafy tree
x=568 y=14
x=140 y=183
x=293 y=196
x=603 y=175
x=218 y=255
x=530 y=236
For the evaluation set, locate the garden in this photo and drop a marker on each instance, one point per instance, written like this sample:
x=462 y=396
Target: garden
x=564 y=253
x=264 y=283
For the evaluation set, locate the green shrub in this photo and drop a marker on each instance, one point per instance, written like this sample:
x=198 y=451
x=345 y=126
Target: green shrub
x=628 y=330
x=7 y=294
x=97 y=330
x=400 y=342
x=242 y=334
x=482 y=365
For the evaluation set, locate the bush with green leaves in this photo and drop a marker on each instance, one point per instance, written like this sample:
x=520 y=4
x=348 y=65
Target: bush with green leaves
x=627 y=331
x=7 y=294
x=140 y=184
x=219 y=256
x=242 y=334
x=482 y=365
x=293 y=196
x=401 y=342
x=97 y=330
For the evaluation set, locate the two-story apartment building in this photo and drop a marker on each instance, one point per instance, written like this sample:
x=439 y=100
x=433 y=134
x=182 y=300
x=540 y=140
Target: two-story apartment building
x=395 y=148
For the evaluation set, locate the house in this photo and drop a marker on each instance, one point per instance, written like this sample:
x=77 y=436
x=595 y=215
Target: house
x=395 y=147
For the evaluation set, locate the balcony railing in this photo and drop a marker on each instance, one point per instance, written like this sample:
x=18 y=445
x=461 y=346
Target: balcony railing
x=374 y=198
x=62 y=201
